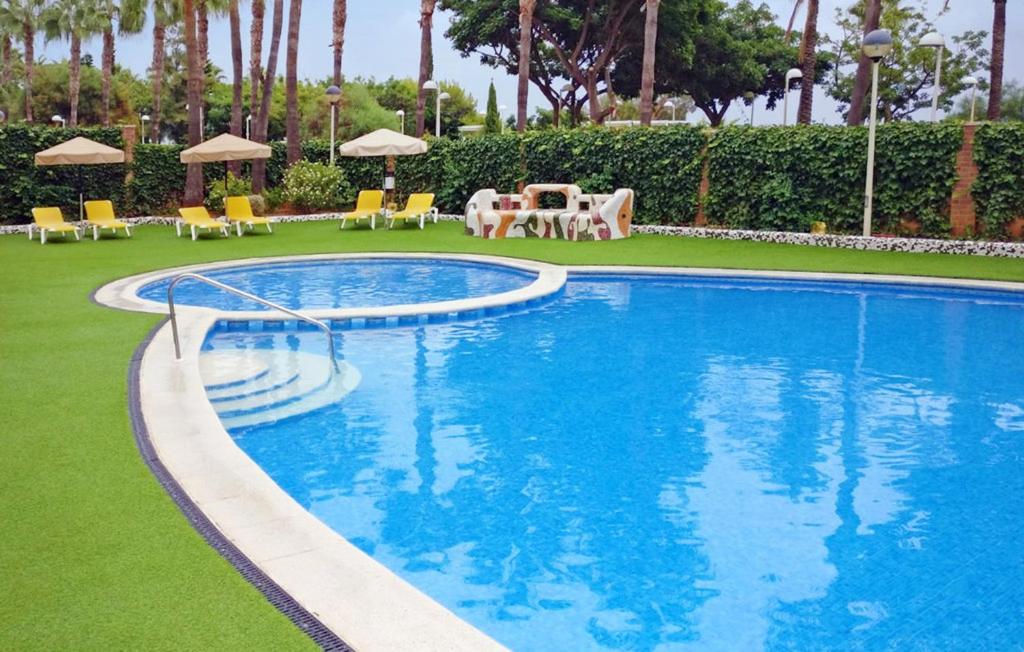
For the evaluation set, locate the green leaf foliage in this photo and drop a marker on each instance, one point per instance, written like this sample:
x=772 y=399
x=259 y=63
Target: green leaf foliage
x=785 y=178
x=999 y=189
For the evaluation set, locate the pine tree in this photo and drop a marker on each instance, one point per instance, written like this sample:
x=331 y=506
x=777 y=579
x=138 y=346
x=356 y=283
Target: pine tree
x=492 y=121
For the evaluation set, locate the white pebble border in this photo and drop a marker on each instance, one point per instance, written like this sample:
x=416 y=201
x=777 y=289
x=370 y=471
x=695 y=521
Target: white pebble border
x=911 y=245
x=907 y=245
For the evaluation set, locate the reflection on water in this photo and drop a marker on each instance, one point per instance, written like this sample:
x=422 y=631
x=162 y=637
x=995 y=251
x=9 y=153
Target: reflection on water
x=682 y=464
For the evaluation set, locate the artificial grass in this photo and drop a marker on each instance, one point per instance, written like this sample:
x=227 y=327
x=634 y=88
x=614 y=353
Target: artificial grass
x=94 y=555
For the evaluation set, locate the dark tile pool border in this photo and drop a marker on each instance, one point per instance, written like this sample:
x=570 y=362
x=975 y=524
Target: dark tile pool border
x=275 y=595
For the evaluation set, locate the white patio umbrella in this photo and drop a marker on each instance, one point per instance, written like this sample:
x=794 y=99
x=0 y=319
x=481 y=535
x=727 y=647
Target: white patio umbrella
x=80 y=151
x=225 y=148
x=386 y=143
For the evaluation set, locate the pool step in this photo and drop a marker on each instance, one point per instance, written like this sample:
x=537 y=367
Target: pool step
x=257 y=386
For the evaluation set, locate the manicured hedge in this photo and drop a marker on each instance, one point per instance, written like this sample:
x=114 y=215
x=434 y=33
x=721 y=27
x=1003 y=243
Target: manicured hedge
x=23 y=185
x=999 y=190
x=786 y=178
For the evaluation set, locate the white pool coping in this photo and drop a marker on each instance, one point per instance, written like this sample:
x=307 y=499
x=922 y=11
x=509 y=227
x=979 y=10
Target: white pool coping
x=355 y=596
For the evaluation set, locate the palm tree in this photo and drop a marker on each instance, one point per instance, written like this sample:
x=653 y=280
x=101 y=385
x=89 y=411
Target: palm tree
x=194 y=175
x=291 y=83
x=647 y=76
x=526 y=8
x=338 y=40
x=995 y=89
x=165 y=13
x=259 y=166
x=808 y=57
x=426 y=60
x=130 y=16
x=235 y=124
x=255 y=55
x=5 y=55
x=23 y=16
x=872 y=18
x=74 y=19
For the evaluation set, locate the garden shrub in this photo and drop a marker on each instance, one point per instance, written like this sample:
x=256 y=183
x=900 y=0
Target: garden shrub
x=785 y=179
x=258 y=204
x=215 y=191
x=316 y=186
x=999 y=189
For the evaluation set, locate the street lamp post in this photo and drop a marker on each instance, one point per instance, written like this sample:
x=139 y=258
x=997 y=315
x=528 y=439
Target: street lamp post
x=973 y=83
x=935 y=40
x=750 y=97
x=248 y=126
x=333 y=96
x=431 y=85
x=877 y=45
x=60 y=119
x=401 y=119
x=501 y=116
x=791 y=74
x=144 y=118
x=669 y=104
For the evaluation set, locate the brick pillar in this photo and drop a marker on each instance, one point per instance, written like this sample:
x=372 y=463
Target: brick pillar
x=962 y=218
x=702 y=194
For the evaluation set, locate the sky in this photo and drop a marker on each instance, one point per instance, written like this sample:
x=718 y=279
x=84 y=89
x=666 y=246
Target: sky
x=382 y=40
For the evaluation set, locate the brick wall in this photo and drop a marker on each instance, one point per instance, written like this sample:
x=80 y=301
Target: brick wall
x=962 y=217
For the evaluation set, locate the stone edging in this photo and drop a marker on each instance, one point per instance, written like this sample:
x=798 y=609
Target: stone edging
x=873 y=243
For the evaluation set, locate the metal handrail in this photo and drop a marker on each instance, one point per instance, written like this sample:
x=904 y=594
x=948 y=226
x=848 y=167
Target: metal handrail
x=251 y=297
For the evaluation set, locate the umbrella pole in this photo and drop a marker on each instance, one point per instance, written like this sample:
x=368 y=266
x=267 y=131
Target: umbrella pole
x=225 y=179
x=81 y=214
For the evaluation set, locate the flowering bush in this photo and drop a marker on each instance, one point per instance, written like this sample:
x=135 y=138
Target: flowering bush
x=315 y=186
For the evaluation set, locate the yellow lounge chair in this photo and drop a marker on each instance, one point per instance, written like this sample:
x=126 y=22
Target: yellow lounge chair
x=50 y=220
x=239 y=211
x=197 y=217
x=419 y=207
x=99 y=214
x=368 y=205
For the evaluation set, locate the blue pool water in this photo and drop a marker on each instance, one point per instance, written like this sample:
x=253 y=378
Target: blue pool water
x=650 y=463
x=352 y=283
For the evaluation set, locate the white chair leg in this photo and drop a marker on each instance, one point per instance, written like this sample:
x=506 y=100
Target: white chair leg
x=373 y=222
x=177 y=227
x=29 y=231
x=238 y=229
x=95 y=233
x=193 y=232
x=421 y=222
x=224 y=231
x=128 y=230
x=78 y=236
x=42 y=236
x=269 y=230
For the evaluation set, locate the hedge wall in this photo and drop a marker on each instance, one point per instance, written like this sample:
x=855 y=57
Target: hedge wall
x=999 y=190
x=785 y=178
x=23 y=185
x=760 y=178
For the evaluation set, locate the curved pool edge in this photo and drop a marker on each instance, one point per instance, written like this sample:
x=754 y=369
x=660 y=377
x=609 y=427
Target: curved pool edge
x=123 y=293
x=352 y=594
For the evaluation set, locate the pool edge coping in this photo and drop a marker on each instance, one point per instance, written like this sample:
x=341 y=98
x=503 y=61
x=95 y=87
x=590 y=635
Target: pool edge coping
x=197 y=323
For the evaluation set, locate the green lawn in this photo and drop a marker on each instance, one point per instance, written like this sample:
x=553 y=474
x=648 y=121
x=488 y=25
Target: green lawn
x=94 y=555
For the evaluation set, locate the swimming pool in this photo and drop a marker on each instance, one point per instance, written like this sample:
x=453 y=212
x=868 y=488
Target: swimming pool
x=346 y=283
x=658 y=462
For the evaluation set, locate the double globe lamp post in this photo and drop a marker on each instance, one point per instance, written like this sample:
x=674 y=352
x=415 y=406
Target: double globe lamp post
x=333 y=96
x=431 y=85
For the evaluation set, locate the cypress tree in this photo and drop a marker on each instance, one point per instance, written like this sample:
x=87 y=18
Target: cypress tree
x=492 y=121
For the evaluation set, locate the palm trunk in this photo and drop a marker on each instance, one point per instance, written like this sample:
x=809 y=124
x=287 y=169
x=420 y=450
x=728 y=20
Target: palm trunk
x=74 y=78
x=292 y=83
x=647 y=79
x=194 y=177
x=5 y=59
x=340 y=18
x=810 y=59
x=29 y=36
x=203 y=46
x=872 y=18
x=995 y=91
x=235 y=125
x=108 y=73
x=526 y=8
x=259 y=166
x=159 y=53
x=426 y=61
x=255 y=55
